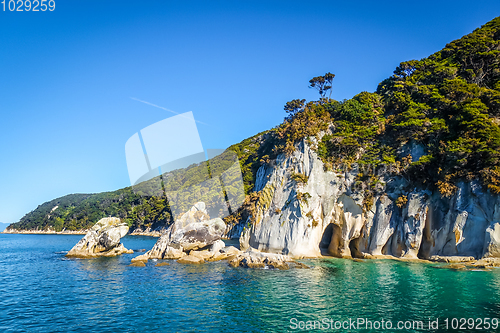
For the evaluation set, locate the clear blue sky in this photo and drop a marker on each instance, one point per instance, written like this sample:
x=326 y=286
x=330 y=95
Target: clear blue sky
x=66 y=77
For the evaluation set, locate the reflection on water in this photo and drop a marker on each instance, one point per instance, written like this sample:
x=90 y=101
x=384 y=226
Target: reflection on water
x=42 y=291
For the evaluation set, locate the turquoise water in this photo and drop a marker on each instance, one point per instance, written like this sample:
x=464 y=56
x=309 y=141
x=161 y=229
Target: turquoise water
x=42 y=291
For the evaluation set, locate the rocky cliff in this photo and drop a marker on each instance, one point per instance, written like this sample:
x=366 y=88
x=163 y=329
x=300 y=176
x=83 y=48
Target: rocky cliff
x=328 y=212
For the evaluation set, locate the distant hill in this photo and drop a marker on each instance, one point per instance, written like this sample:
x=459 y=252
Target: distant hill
x=80 y=211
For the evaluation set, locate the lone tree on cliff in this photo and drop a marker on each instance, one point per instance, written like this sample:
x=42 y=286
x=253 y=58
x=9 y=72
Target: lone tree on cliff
x=323 y=84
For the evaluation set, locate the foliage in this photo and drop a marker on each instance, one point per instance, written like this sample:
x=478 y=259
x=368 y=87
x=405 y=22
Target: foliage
x=309 y=122
x=81 y=211
x=446 y=189
x=401 y=201
x=322 y=83
x=304 y=197
x=294 y=106
x=299 y=178
x=449 y=103
x=357 y=124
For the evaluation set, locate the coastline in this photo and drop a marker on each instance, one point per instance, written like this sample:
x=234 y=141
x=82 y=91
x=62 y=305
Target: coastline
x=68 y=232
x=44 y=232
x=455 y=262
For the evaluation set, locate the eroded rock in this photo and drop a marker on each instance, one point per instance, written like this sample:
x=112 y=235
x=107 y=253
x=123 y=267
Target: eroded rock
x=329 y=212
x=103 y=239
x=230 y=250
x=191 y=259
x=194 y=230
x=255 y=259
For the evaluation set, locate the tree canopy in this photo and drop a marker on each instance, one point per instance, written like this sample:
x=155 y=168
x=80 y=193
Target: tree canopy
x=323 y=84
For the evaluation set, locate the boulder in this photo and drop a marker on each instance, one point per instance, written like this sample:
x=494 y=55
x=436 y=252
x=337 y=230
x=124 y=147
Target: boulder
x=230 y=250
x=103 y=239
x=173 y=253
x=255 y=259
x=205 y=255
x=190 y=260
x=194 y=230
x=198 y=235
x=142 y=257
x=217 y=246
x=218 y=256
x=213 y=254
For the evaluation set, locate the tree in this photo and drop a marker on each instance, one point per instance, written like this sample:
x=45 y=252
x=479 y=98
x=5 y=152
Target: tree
x=322 y=84
x=294 y=106
x=406 y=68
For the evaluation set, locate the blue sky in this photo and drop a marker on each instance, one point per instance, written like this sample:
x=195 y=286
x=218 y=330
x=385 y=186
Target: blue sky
x=67 y=77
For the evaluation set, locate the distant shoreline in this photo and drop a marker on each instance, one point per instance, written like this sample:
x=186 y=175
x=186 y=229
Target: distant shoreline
x=68 y=232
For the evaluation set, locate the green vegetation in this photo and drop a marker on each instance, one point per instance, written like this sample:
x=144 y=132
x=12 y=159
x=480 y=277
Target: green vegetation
x=401 y=201
x=81 y=211
x=448 y=105
x=300 y=178
x=322 y=84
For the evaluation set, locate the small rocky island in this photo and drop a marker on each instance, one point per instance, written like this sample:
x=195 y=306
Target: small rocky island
x=102 y=240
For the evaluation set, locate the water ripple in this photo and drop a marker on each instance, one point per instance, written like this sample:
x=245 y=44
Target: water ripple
x=42 y=291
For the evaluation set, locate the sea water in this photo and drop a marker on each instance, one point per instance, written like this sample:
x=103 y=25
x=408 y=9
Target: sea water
x=43 y=291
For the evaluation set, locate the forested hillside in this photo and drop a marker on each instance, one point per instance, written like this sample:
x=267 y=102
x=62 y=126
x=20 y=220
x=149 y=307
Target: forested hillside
x=140 y=211
x=446 y=107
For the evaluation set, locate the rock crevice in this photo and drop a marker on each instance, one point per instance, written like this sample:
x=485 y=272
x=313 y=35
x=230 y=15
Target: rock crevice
x=296 y=218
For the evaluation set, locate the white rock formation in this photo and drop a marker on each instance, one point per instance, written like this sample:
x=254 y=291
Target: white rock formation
x=192 y=231
x=103 y=239
x=255 y=259
x=327 y=214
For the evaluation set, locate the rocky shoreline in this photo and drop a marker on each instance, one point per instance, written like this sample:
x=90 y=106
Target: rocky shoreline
x=252 y=258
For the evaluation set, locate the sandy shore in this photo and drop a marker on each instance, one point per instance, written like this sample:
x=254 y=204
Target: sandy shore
x=44 y=232
x=69 y=232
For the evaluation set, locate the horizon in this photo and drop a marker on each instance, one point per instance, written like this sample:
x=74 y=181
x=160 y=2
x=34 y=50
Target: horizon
x=79 y=81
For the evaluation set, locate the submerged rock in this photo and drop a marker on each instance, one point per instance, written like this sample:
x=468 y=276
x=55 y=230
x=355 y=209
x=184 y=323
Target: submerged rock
x=138 y=264
x=161 y=264
x=103 y=239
